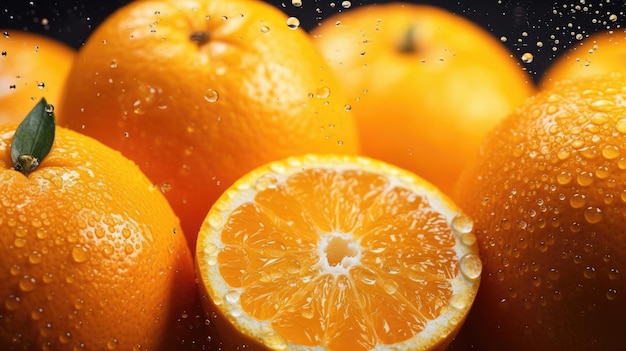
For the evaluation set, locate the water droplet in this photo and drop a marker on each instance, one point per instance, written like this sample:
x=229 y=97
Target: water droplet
x=80 y=254
x=458 y=302
x=112 y=344
x=346 y=4
x=564 y=177
x=462 y=224
x=471 y=266
x=578 y=200
x=27 y=283
x=590 y=272
x=12 y=302
x=614 y=274
x=165 y=187
x=232 y=296
x=296 y=3
x=527 y=57
x=41 y=85
x=113 y=64
x=47 y=278
x=65 y=338
x=19 y=242
x=265 y=29
x=563 y=154
x=593 y=215
x=611 y=294
x=621 y=126
x=584 y=178
x=500 y=275
x=293 y=23
x=602 y=105
x=36 y=314
x=611 y=152
x=211 y=95
x=322 y=92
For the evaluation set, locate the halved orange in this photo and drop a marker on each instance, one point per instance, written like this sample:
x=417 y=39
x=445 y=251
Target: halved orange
x=337 y=253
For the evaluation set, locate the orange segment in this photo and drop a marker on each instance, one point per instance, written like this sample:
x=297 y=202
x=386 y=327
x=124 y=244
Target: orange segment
x=337 y=253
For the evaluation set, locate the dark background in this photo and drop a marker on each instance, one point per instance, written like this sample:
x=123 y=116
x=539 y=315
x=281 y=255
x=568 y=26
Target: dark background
x=544 y=28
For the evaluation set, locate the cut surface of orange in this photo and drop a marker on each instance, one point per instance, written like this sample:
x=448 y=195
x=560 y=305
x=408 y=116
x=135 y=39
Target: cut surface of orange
x=337 y=253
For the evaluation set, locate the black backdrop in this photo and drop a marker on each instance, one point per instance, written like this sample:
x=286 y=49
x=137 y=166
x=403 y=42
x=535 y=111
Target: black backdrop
x=555 y=25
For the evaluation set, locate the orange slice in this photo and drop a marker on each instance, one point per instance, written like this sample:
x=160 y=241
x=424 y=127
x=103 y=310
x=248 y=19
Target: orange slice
x=337 y=253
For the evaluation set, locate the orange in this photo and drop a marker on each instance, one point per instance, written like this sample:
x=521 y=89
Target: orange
x=600 y=53
x=92 y=255
x=425 y=84
x=199 y=92
x=548 y=197
x=31 y=66
x=337 y=253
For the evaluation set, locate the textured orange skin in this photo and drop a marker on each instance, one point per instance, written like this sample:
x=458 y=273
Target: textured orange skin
x=428 y=109
x=548 y=198
x=601 y=53
x=92 y=254
x=30 y=59
x=142 y=86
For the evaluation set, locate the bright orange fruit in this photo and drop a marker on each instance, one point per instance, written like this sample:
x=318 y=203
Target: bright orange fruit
x=548 y=197
x=425 y=85
x=31 y=66
x=337 y=253
x=92 y=255
x=199 y=92
x=601 y=53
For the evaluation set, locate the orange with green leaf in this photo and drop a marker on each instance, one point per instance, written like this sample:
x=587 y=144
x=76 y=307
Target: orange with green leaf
x=92 y=256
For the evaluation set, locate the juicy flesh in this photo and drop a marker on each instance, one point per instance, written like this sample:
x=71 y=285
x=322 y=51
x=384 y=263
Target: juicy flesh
x=340 y=258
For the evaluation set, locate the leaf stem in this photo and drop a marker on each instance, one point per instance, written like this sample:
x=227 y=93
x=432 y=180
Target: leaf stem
x=33 y=138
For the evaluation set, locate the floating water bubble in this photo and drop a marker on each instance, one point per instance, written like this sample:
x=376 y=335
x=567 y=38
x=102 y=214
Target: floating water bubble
x=165 y=187
x=293 y=23
x=527 y=57
x=211 y=95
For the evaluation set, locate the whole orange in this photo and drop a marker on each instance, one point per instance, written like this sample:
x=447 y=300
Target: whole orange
x=31 y=66
x=548 y=197
x=603 y=52
x=92 y=255
x=426 y=85
x=199 y=92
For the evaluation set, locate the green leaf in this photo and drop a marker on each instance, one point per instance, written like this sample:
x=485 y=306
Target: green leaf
x=33 y=138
